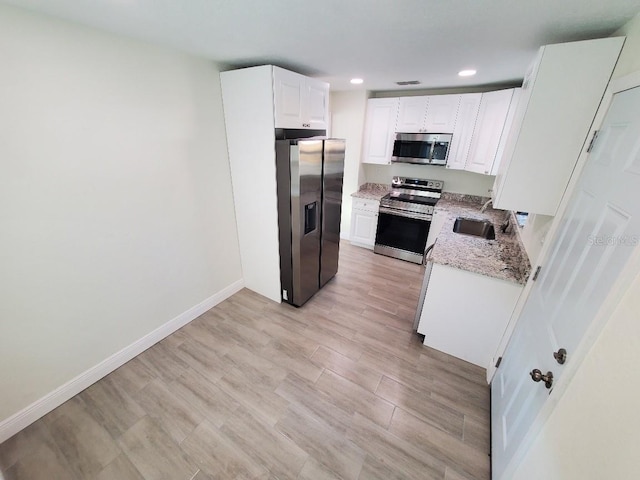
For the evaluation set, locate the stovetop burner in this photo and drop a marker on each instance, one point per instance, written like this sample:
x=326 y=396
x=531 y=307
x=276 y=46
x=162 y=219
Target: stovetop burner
x=413 y=195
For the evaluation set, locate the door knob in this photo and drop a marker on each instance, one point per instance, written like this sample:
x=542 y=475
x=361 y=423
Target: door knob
x=537 y=376
x=560 y=356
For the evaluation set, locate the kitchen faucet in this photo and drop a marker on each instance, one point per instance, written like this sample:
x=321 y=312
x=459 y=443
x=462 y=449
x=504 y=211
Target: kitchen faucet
x=486 y=204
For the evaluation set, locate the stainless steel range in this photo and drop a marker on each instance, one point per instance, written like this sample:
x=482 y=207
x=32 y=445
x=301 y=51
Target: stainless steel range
x=405 y=216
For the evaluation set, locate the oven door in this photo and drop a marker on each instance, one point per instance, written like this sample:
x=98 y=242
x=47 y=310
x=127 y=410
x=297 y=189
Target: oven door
x=402 y=235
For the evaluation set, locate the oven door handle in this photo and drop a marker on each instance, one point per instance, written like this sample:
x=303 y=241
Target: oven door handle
x=400 y=213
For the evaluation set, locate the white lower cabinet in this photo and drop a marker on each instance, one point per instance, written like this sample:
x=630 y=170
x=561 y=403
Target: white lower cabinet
x=465 y=313
x=364 y=222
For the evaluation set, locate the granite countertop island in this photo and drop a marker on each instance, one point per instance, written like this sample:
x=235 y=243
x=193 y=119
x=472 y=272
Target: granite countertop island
x=503 y=258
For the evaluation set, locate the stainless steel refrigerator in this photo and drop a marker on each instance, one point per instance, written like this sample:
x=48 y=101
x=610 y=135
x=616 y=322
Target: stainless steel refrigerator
x=309 y=178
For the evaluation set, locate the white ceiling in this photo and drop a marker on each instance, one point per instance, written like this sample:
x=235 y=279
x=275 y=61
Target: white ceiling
x=382 y=41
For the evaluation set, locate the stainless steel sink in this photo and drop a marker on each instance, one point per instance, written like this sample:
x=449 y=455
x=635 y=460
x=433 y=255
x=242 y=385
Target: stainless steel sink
x=477 y=228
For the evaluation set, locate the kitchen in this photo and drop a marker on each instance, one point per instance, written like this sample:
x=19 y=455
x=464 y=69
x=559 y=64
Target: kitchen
x=472 y=330
x=76 y=214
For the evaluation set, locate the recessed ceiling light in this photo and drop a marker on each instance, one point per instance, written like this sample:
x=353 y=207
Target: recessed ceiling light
x=467 y=73
x=357 y=81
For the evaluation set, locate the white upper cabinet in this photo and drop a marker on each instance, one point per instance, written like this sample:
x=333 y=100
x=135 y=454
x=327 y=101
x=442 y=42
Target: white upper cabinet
x=442 y=112
x=412 y=114
x=318 y=104
x=490 y=124
x=379 y=130
x=299 y=101
x=430 y=114
x=463 y=131
x=560 y=97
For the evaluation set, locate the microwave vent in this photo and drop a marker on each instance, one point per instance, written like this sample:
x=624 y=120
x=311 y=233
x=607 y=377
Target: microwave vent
x=408 y=82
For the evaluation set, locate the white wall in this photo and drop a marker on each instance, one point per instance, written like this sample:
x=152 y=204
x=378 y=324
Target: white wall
x=534 y=234
x=347 y=121
x=455 y=181
x=116 y=211
x=594 y=431
x=629 y=60
x=247 y=96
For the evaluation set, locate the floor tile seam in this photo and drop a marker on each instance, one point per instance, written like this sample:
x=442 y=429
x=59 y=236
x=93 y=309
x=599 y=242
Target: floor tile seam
x=342 y=437
x=268 y=427
x=446 y=406
x=130 y=397
x=407 y=448
x=158 y=423
x=356 y=362
x=460 y=408
x=375 y=351
x=444 y=432
x=61 y=450
x=408 y=409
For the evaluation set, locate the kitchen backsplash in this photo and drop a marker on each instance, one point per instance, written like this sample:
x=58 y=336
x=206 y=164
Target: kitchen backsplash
x=456 y=181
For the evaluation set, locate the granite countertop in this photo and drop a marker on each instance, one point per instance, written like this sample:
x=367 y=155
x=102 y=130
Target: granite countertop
x=503 y=258
x=372 y=191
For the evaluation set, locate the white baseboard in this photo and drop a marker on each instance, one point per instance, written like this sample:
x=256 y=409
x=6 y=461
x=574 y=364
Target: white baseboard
x=57 y=397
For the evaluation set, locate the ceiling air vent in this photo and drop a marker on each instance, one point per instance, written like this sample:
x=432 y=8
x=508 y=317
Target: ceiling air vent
x=408 y=82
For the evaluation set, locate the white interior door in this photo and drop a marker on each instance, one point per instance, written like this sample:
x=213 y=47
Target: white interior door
x=595 y=239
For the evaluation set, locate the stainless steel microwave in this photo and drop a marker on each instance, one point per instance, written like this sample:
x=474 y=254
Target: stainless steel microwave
x=421 y=148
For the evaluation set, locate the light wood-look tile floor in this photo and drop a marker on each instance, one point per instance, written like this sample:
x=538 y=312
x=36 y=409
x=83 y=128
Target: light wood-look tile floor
x=340 y=388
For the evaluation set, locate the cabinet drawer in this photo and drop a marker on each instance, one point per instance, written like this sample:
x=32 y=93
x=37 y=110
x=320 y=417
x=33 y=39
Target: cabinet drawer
x=365 y=204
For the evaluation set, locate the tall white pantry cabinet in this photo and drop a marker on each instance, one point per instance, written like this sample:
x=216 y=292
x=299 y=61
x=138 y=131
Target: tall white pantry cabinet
x=256 y=101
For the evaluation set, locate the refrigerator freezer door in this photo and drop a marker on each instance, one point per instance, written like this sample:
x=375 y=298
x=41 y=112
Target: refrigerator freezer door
x=306 y=189
x=333 y=169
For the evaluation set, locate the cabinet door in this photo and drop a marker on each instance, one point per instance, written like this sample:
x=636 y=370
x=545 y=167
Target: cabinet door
x=505 y=132
x=463 y=131
x=289 y=98
x=363 y=227
x=379 y=130
x=318 y=104
x=494 y=107
x=442 y=111
x=445 y=321
x=412 y=114
x=560 y=97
